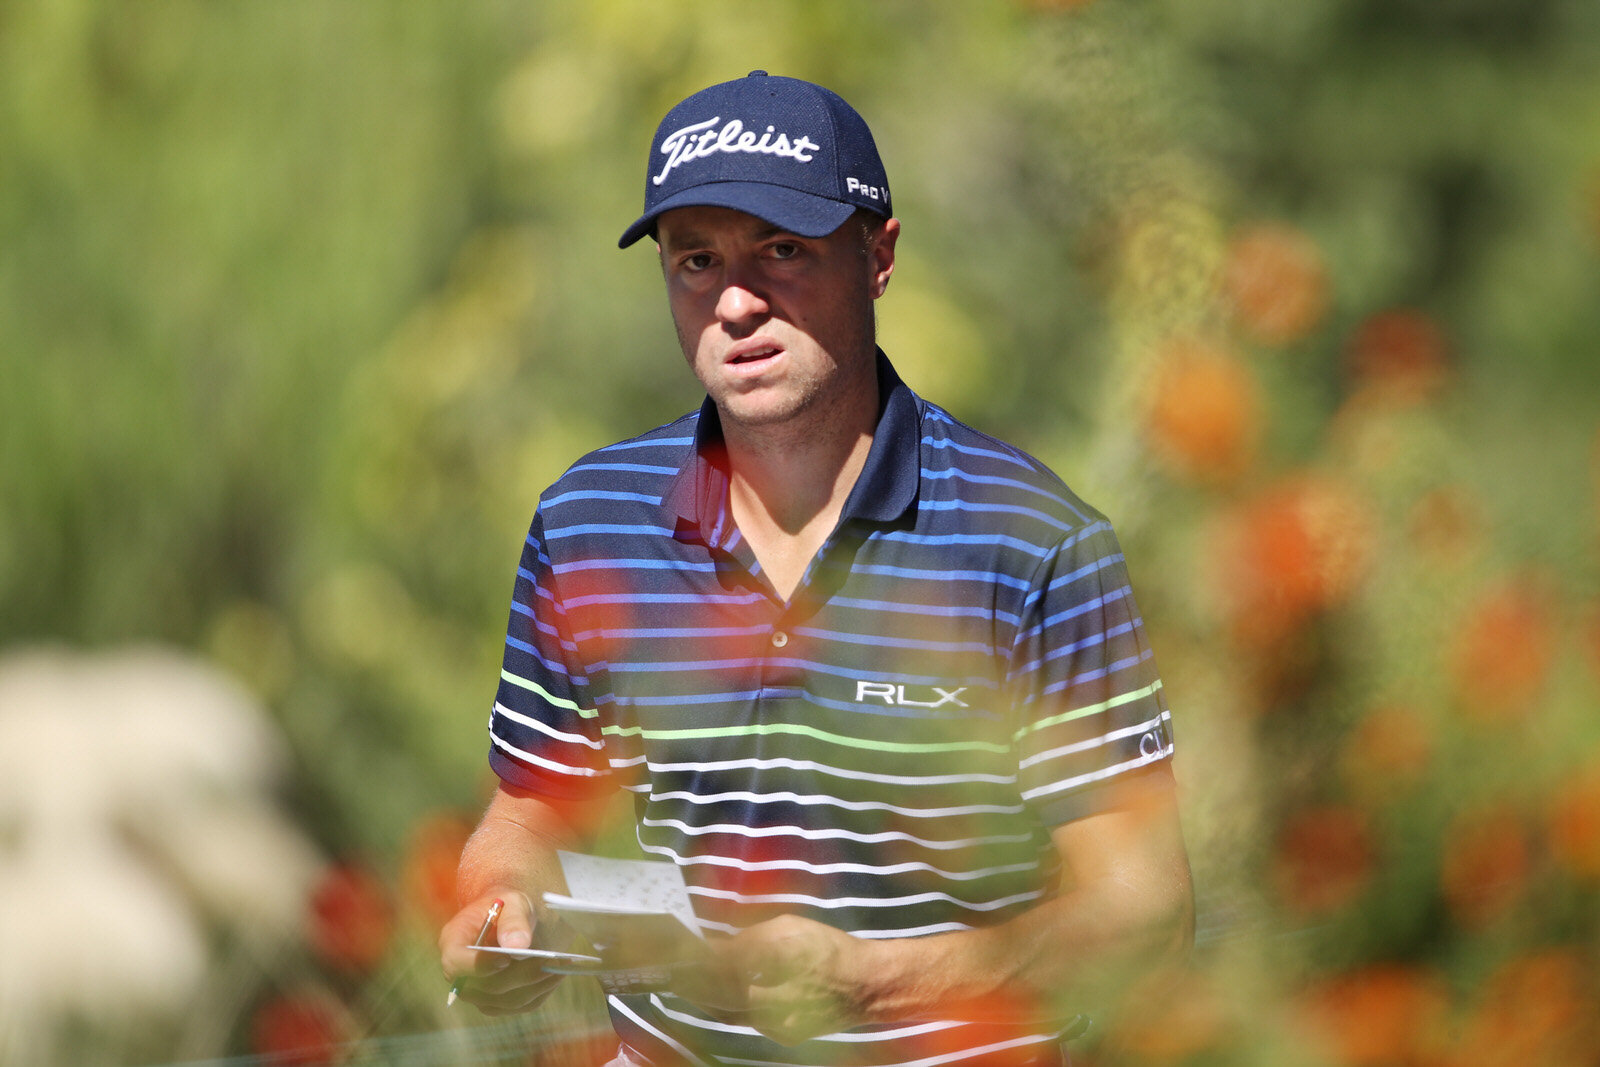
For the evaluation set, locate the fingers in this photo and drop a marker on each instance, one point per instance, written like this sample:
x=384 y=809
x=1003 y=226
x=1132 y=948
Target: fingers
x=793 y=974
x=778 y=950
x=458 y=936
x=725 y=981
x=718 y=983
x=494 y=984
x=519 y=988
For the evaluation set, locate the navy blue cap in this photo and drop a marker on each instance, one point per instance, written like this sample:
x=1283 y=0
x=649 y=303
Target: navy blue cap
x=781 y=149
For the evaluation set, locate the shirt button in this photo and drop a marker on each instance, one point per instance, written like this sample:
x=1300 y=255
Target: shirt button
x=779 y=639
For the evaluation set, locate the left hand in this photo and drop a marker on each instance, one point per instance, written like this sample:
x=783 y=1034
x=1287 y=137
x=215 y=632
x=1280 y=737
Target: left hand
x=790 y=978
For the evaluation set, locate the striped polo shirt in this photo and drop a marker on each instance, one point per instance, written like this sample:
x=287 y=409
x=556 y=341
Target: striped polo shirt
x=961 y=668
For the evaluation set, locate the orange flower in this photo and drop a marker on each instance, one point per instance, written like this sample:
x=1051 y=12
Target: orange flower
x=1324 y=858
x=1401 y=353
x=1276 y=282
x=1387 y=1013
x=1390 y=747
x=1188 y=1019
x=1205 y=412
x=1590 y=639
x=350 y=919
x=1297 y=548
x=1503 y=651
x=428 y=875
x=1535 y=1009
x=1003 y=1014
x=1446 y=524
x=300 y=1030
x=1486 y=863
x=1573 y=823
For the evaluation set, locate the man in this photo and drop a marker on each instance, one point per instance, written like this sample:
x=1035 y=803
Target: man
x=876 y=682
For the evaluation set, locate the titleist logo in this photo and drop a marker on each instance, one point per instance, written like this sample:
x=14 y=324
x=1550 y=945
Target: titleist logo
x=699 y=140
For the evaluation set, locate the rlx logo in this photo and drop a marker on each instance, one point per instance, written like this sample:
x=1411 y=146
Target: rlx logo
x=895 y=695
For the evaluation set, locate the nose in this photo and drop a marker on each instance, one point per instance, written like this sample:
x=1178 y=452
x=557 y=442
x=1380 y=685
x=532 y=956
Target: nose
x=740 y=301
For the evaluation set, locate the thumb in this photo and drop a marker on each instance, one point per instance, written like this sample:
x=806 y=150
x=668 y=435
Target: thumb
x=514 y=929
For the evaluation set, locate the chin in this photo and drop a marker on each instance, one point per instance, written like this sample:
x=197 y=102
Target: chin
x=758 y=411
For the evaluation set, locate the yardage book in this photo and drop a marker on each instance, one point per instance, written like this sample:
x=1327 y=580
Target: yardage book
x=637 y=915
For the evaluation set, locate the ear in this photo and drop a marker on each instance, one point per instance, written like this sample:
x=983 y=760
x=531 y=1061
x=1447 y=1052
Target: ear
x=880 y=257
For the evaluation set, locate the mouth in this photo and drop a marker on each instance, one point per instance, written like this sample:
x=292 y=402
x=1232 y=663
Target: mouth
x=753 y=355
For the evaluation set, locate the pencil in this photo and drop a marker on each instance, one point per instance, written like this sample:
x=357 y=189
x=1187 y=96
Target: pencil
x=488 y=921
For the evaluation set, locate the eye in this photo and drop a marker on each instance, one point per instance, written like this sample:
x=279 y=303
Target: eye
x=784 y=249
x=697 y=262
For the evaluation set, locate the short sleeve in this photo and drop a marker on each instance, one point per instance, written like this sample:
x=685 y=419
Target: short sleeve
x=544 y=733
x=1089 y=702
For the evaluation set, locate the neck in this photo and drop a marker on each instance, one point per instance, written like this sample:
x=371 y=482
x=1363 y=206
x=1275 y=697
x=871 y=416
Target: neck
x=796 y=477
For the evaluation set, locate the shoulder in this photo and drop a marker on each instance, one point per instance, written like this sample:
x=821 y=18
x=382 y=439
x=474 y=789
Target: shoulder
x=973 y=474
x=635 y=471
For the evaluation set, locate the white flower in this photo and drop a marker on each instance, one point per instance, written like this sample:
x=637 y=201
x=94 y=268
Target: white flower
x=136 y=811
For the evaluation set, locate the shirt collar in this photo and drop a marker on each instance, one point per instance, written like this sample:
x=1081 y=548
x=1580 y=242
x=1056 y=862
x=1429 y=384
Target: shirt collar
x=886 y=487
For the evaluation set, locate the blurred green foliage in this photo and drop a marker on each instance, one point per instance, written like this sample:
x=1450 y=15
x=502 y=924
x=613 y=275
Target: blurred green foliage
x=301 y=305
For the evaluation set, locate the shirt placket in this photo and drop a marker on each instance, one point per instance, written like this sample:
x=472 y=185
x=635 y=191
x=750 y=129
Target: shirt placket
x=779 y=678
x=775 y=678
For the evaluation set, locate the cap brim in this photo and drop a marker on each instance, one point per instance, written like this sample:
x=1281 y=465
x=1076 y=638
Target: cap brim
x=788 y=209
